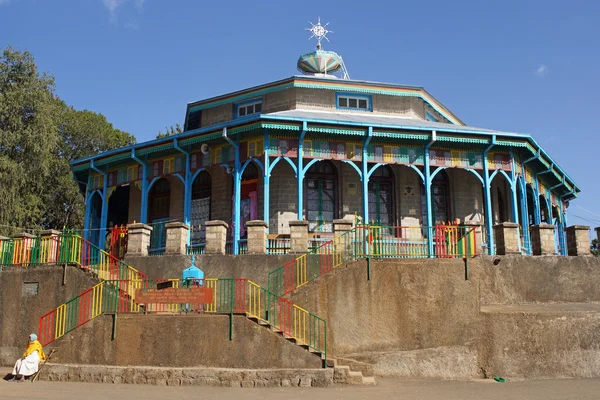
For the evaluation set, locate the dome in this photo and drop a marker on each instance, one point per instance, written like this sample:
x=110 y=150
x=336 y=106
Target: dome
x=320 y=62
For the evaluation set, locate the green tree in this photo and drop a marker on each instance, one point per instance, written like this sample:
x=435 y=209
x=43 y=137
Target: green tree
x=173 y=130
x=595 y=248
x=39 y=136
x=28 y=137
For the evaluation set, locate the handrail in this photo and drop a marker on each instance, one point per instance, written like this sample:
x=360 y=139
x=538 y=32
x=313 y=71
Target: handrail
x=230 y=296
x=66 y=248
x=373 y=241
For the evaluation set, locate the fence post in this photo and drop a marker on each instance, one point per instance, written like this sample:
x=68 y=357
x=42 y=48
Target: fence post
x=177 y=238
x=507 y=238
x=139 y=239
x=542 y=239
x=298 y=237
x=578 y=240
x=216 y=237
x=257 y=237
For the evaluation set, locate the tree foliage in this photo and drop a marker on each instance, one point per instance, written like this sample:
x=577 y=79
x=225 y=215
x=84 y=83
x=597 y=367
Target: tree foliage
x=39 y=136
x=173 y=130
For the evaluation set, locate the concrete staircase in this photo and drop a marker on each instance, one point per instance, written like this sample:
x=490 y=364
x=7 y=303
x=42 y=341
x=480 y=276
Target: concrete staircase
x=345 y=371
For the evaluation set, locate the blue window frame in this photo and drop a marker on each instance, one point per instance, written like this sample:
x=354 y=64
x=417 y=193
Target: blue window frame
x=246 y=108
x=352 y=101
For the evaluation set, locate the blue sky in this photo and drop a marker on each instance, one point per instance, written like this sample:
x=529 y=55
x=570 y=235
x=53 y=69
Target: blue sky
x=523 y=66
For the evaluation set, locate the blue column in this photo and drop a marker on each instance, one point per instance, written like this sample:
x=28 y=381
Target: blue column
x=187 y=183
x=300 y=172
x=87 y=218
x=144 y=202
x=487 y=198
x=104 y=216
x=237 y=199
x=524 y=213
x=365 y=176
x=537 y=216
x=104 y=213
x=267 y=182
x=428 y=203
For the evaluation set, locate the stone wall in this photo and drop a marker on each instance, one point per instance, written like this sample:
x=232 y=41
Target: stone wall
x=216 y=115
x=279 y=101
x=180 y=341
x=350 y=191
x=177 y=198
x=466 y=196
x=520 y=279
x=224 y=377
x=20 y=313
x=221 y=194
x=409 y=187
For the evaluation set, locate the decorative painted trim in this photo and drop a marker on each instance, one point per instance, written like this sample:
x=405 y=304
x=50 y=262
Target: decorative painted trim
x=336 y=131
x=398 y=135
x=459 y=139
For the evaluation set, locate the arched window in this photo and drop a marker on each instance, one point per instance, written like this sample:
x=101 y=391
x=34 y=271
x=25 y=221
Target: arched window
x=501 y=206
x=200 y=212
x=320 y=186
x=545 y=216
x=160 y=203
x=381 y=196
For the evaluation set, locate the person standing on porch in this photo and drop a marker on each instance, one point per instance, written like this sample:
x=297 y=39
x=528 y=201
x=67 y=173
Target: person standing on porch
x=30 y=362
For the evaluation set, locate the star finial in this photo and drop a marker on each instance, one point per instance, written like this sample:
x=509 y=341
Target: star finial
x=318 y=31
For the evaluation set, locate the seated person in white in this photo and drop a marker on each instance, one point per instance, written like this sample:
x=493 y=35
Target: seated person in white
x=30 y=362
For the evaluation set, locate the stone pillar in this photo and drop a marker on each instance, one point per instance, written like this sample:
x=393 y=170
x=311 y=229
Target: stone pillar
x=177 y=238
x=216 y=237
x=138 y=239
x=257 y=237
x=578 y=240
x=298 y=236
x=50 y=246
x=341 y=225
x=507 y=238
x=542 y=239
x=478 y=235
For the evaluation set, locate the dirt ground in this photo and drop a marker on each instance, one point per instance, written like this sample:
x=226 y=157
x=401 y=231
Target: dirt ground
x=571 y=389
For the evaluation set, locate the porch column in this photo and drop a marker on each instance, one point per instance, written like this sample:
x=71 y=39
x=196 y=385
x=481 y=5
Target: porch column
x=104 y=213
x=177 y=238
x=300 y=171
x=237 y=192
x=428 y=204
x=187 y=192
x=514 y=190
x=487 y=198
x=88 y=217
x=138 y=239
x=524 y=214
x=298 y=237
x=365 y=176
x=144 y=202
x=257 y=237
x=266 y=182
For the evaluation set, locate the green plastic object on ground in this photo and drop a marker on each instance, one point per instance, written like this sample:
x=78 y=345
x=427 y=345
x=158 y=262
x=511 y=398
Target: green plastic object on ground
x=499 y=379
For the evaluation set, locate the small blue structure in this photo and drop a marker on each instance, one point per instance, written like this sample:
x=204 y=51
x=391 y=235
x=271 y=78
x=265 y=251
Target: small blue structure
x=193 y=273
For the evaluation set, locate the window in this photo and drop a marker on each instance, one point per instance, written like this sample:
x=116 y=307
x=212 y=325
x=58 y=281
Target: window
x=253 y=107
x=194 y=161
x=429 y=116
x=167 y=166
x=354 y=102
x=194 y=118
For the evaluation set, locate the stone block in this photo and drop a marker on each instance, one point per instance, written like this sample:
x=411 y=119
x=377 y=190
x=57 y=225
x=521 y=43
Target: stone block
x=177 y=237
x=257 y=237
x=542 y=239
x=506 y=236
x=138 y=239
x=578 y=240
x=23 y=236
x=298 y=236
x=341 y=225
x=216 y=237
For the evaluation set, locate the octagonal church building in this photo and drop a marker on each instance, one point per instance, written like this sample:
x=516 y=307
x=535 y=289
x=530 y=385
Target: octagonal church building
x=321 y=147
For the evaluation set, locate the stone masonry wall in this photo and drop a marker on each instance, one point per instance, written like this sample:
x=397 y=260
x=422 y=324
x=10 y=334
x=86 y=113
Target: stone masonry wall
x=408 y=202
x=279 y=101
x=177 y=196
x=350 y=193
x=216 y=115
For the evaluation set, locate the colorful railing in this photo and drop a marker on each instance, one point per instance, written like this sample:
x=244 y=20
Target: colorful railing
x=278 y=245
x=368 y=241
x=230 y=296
x=66 y=248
